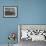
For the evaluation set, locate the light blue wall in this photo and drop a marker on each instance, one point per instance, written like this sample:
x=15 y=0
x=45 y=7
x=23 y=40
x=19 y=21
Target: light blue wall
x=29 y=12
x=32 y=11
x=7 y=25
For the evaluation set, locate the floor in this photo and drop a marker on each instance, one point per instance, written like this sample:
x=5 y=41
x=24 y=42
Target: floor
x=30 y=43
x=7 y=45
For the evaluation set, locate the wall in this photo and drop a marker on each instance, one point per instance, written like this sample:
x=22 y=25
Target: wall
x=29 y=12
x=7 y=25
x=32 y=11
x=33 y=27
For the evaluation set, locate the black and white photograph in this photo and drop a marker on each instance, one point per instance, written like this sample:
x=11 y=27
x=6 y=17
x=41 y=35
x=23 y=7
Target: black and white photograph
x=10 y=11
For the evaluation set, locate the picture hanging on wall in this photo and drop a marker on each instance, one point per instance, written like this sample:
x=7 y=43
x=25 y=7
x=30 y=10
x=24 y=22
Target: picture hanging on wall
x=10 y=11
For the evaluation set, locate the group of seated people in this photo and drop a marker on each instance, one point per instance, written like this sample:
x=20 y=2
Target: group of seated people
x=33 y=34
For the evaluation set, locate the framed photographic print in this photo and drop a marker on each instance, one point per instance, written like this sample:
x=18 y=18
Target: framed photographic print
x=10 y=11
x=33 y=32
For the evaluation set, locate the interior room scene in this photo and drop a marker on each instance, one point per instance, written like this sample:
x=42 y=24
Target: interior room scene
x=29 y=34
x=9 y=11
x=22 y=22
